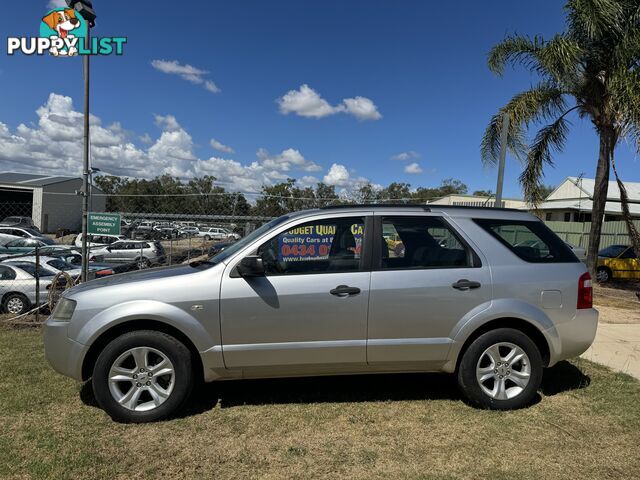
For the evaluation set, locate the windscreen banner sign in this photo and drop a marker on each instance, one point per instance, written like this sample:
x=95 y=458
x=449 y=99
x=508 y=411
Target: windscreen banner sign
x=313 y=242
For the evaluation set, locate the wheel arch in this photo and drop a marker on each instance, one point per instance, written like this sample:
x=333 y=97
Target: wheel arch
x=135 y=325
x=528 y=328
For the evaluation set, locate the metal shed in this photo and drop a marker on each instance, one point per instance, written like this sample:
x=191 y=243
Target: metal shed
x=51 y=201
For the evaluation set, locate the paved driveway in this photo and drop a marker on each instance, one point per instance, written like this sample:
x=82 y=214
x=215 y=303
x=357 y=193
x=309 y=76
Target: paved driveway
x=617 y=346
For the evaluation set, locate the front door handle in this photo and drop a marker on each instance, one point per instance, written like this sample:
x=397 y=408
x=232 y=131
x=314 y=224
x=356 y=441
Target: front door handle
x=343 y=290
x=465 y=284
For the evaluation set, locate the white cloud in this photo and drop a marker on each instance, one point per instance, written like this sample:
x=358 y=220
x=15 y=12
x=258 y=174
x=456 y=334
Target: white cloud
x=338 y=176
x=286 y=160
x=221 y=147
x=186 y=72
x=413 y=168
x=53 y=145
x=167 y=123
x=146 y=139
x=403 y=156
x=56 y=4
x=306 y=102
x=362 y=108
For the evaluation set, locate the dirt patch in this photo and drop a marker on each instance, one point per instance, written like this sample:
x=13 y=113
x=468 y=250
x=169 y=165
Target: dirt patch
x=619 y=315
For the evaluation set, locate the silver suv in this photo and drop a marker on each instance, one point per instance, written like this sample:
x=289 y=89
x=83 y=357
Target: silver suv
x=361 y=289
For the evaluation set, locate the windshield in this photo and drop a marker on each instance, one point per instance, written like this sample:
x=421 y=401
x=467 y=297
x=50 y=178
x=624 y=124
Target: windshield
x=240 y=244
x=613 y=251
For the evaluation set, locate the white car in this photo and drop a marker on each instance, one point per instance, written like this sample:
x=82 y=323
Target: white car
x=217 y=233
x=189 y=231
x=22 y=232
x=56 y=265
x=18 y=286
x=98 y=240
x=6 y=238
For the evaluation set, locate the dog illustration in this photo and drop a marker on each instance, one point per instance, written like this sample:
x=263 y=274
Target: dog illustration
x=63 y=22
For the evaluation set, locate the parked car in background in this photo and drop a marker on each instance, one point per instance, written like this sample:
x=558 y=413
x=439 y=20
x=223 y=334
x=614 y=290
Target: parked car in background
x=26 y=245
x=18 y=286
x=143 y=253
x=318 y=292
x=24 y=222
x=188 y=231
x=56 y=265
x=217 y=233
x=6 y=238
x=579 y=252
x=22 y=232
x=101 y=240
x=617 y=262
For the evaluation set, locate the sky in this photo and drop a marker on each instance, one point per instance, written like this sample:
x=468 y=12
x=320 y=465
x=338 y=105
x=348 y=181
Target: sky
x=254 y=92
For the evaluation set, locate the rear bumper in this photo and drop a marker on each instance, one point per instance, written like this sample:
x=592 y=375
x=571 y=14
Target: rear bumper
x=576 y=335
x=62 y=353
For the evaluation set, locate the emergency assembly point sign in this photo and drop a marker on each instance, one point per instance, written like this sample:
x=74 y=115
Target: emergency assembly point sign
x=103 y=223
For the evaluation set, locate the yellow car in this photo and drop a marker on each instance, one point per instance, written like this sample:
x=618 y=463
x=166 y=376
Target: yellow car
x=617 y=261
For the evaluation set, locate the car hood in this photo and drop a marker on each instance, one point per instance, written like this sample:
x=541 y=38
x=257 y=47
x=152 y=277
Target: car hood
x=137 y=276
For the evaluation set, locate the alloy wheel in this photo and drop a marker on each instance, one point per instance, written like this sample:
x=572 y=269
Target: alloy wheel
x=503 y=371
x=141 y=379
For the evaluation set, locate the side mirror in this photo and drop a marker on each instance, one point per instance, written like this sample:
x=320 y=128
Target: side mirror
x=251 y=266
x=108 y=249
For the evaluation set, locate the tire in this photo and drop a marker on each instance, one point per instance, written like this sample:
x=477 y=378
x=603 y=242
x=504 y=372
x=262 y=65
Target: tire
x=159 y=397
x=16 y=304
x=603 y=274
x=207 y=238
x=143 y=263
x=507 y=386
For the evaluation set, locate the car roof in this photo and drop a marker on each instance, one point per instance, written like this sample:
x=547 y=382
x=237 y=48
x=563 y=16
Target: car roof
x=448 y=210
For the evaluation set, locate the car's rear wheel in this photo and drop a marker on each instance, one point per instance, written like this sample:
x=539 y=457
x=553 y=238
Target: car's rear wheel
x=16 y=304
x=143 y=376
x=501 y=370
x=603 y=274
x=143 y=263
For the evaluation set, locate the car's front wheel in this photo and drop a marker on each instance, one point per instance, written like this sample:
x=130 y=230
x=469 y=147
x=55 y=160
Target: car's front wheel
x=501 y=370
x=143 y=376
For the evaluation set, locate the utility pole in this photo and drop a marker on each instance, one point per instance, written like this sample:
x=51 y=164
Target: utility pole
x=503 y=156
x=85 y=9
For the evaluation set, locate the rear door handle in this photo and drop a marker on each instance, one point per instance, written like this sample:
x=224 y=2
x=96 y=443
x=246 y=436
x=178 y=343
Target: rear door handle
x=342 y=290
x=465 y=284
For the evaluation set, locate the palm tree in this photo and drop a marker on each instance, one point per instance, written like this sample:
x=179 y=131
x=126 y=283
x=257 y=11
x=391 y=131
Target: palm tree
x=591 y=70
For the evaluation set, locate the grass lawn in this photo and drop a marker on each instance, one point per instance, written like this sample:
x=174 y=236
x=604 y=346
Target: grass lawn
x=585 y=425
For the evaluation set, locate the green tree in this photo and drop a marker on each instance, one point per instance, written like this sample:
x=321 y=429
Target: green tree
x=483 y=193
x=592 y=69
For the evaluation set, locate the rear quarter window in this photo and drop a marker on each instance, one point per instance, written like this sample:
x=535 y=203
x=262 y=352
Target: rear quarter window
x=532 y=241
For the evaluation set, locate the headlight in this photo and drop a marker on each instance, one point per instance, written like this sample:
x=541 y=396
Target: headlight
x=64 y=310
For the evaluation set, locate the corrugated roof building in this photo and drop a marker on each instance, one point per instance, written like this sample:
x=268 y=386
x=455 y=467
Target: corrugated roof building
x=572 y=201
x=51 y=201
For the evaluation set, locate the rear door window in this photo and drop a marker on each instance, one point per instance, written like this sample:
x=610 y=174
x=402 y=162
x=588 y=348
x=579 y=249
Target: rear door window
x=421 y=242
x=532 y=241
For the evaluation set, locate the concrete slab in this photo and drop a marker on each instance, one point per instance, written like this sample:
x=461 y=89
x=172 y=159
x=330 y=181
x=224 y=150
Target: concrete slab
x=618 y=347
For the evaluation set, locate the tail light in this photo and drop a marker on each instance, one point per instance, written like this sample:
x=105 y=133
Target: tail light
x=585 y=292
x=106 y=271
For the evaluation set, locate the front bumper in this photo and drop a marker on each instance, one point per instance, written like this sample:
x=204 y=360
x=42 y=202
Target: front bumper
x=576 y=335
x=62 y=353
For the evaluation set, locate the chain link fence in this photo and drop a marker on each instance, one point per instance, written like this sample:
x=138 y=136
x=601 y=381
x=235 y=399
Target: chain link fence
x=40 y=244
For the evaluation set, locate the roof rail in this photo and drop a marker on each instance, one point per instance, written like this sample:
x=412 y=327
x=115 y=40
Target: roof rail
x=378 y=205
